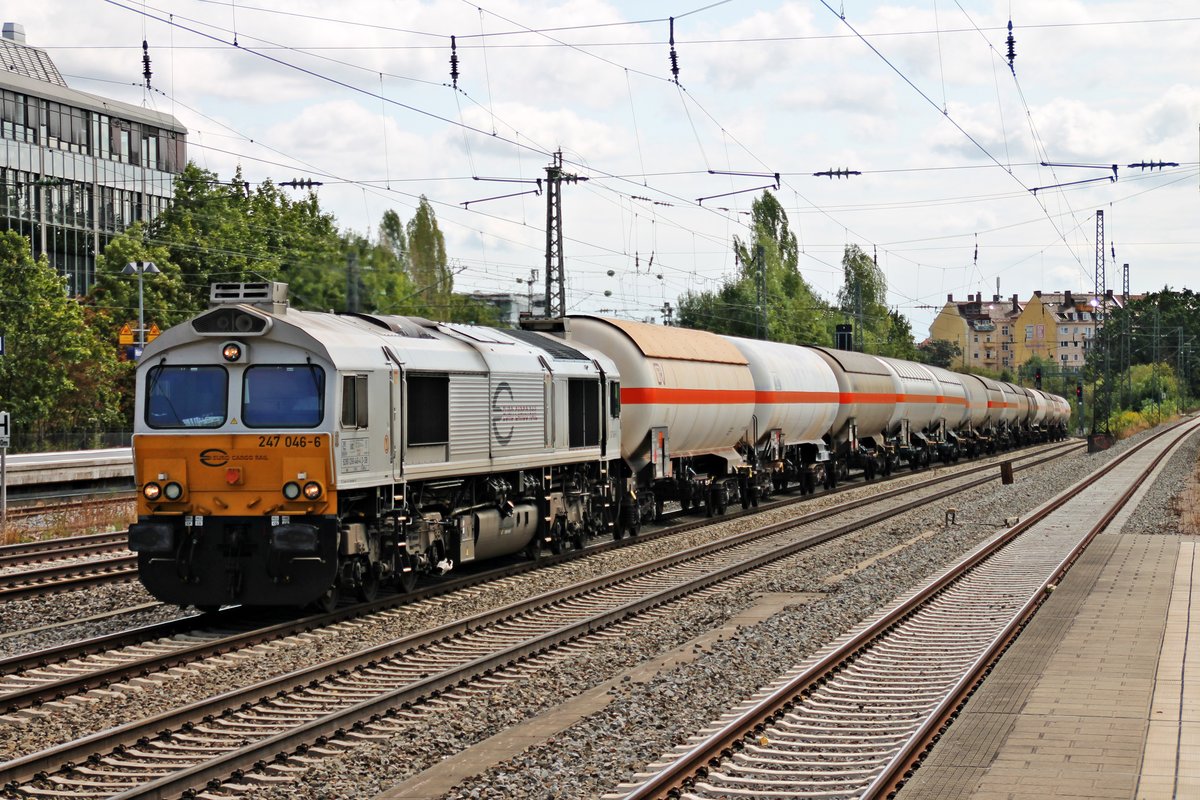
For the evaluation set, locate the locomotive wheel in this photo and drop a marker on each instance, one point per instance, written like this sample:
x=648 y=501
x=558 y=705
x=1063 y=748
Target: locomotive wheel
x=534 y=549
x=328 y=601
x=685 y=503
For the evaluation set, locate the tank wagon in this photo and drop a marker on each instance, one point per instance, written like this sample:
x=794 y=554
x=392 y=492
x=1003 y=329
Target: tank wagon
x=284 y=457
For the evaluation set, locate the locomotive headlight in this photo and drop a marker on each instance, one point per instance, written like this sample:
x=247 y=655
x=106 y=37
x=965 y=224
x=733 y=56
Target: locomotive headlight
x=173 y=491
x=312 y=490
x=232 y=351
x=151 y=491
x=291 y=490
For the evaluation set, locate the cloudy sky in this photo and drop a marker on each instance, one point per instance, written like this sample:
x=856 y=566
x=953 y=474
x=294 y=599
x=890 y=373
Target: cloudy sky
x=917 y=97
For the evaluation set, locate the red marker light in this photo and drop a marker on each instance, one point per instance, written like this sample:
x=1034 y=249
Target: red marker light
x=233 y=476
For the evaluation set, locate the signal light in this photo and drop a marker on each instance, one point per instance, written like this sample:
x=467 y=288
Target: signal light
x=1037 y=378
x=1079 y=392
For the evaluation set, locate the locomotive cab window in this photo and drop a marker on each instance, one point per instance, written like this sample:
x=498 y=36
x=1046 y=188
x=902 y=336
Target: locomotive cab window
x=186 y=397
x=428 y=409
x=354 y=401
x=283 y=396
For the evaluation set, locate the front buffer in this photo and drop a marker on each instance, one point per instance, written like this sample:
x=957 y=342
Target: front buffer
x=235 y=518
x=254 y=561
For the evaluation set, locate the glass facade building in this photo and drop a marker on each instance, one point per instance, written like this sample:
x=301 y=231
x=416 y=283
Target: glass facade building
x=76 y=168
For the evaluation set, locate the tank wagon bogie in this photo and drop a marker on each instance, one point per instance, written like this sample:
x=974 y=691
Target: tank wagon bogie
x=796 y=402
x=284 y=457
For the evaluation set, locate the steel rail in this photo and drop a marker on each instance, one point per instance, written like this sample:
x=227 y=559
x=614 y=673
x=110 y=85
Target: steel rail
x=29 y=766
x=673 y=779
x=46 y=690
x=897 y=772
x=15 y=555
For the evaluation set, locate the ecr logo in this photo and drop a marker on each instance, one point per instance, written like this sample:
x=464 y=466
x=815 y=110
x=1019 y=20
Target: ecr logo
x=214 y=457
x=499 y=414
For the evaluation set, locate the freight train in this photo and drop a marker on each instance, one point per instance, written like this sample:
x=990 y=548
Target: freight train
x=285 y=457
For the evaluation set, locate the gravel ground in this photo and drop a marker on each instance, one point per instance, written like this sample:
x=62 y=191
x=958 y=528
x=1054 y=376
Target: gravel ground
x=646 y=719
x=22 y=622
x=1155 y=514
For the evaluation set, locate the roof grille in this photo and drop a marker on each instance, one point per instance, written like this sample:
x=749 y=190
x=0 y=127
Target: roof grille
x=270 y=295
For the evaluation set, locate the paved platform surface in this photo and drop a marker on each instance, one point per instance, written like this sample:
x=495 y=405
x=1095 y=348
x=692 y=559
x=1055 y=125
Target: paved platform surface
x=1099 y=697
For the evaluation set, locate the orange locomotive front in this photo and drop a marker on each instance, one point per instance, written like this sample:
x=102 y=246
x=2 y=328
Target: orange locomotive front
x=248 y=518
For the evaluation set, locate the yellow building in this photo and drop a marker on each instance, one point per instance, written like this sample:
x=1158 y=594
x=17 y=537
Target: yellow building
x=1059 y=327
x=983 y=330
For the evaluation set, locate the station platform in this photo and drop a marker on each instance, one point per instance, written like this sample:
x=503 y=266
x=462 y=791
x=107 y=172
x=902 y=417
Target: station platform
x=1099 y=697
x=114 y=464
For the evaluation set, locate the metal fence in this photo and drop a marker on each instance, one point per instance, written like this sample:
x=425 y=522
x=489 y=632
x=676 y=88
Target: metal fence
x=58 y=441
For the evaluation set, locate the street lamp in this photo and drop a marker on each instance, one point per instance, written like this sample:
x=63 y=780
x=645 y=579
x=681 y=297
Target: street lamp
x=139 y=268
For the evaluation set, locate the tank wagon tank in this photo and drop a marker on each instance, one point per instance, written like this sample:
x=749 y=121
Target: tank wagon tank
x=285 y=456
x=796 y=403
x=867 y=398
x=687 y=401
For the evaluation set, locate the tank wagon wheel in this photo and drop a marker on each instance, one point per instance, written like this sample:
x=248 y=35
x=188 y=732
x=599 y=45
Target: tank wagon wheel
x=685 y=503
x=869 y=469
x=406 y=581
x=658 y=508
x=559 y=543
x=368 y=587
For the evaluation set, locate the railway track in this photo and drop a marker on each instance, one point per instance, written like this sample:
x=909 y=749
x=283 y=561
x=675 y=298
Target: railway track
x=376 y=691
x=855 y=720
x=67 y=577
x=32 y=679
x=123 y=568
x=26 y=553
x=75 y=506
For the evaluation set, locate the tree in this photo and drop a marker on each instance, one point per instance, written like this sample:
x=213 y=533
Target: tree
x=938 y=353
x=794 y=314
x=56 y=375
x=897 y=339
x=427 y=263
x=863 y=300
